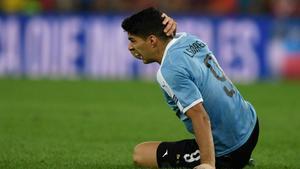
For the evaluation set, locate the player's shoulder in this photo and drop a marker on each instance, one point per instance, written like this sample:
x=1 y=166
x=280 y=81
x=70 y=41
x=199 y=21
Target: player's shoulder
x=172 y=67
x=183 y=50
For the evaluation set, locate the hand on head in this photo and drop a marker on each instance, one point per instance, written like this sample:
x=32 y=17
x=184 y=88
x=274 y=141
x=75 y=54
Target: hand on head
x=171 y=25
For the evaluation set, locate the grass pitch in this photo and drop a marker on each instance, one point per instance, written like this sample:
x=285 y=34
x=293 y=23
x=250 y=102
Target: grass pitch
x=95 y=124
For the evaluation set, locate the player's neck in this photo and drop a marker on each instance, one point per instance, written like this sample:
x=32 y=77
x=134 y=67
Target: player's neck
x=161 y=50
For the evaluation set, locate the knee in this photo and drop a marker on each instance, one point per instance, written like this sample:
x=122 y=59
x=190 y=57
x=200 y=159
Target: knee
x=144 y=154
x=137 y=155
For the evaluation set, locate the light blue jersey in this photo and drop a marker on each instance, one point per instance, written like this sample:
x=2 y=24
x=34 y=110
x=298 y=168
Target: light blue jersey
x=189 y=74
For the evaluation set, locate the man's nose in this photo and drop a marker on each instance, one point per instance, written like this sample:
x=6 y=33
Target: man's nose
x=130 y=47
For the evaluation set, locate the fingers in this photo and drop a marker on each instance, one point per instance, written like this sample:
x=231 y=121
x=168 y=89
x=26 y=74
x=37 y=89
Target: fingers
x=166 y=18
x=172 y=31
x=171 y=25
x=168 y=29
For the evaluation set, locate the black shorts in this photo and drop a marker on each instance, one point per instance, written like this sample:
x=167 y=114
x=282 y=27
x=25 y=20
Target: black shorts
x=186 y=154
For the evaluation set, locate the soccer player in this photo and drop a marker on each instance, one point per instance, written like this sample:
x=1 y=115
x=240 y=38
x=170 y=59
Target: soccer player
x=225 y=125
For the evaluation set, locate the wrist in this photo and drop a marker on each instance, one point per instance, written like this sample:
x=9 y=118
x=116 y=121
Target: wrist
x=205 y=166
x=210 y=162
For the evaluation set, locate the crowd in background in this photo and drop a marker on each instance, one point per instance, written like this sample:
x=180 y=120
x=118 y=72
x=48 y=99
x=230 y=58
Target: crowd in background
x=280 y=8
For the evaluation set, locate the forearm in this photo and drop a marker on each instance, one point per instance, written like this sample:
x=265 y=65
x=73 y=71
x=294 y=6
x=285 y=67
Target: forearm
x=203 y=135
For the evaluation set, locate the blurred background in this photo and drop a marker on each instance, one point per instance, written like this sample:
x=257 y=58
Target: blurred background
x=253 y=40
x=49 y=119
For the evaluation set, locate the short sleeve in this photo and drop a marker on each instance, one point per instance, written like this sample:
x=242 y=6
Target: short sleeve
x=178 y=84
x=170 y=102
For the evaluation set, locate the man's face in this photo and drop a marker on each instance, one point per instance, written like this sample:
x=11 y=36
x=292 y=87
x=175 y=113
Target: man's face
x=141 y=49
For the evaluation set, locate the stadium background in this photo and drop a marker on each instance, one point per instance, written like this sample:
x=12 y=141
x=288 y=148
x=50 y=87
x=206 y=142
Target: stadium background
x=71 y=96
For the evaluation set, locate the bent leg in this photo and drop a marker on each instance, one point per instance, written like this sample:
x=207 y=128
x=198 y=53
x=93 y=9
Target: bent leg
x=179 y=154
x=144 y=154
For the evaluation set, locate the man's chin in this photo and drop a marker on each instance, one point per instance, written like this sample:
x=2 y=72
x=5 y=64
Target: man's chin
x=147 y=61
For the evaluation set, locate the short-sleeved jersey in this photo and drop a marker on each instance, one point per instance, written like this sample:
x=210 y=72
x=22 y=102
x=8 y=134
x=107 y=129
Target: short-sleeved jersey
x=190 y=74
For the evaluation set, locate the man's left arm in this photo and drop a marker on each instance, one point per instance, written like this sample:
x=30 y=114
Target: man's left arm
x=203 y=135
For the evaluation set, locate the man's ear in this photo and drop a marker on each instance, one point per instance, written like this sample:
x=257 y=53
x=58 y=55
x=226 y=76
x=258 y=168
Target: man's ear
x=153 y=40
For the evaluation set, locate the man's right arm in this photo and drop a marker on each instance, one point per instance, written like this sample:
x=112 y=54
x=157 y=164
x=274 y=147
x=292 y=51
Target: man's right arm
x=203 y=135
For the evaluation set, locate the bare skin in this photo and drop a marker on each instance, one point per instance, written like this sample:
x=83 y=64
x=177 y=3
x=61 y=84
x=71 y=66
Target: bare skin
x=171 y=25
x=144 y=154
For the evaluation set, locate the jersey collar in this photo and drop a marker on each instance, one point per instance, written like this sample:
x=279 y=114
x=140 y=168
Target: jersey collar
x=175 y=39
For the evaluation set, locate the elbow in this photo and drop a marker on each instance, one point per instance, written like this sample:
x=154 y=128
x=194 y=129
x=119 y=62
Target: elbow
x=197 y=113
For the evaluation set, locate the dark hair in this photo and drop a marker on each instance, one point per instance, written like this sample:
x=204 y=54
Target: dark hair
x=144 y=23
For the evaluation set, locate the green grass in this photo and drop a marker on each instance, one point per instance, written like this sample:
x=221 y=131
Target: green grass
x=95 y=124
